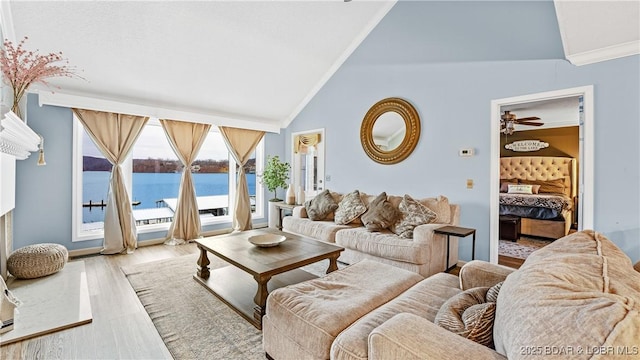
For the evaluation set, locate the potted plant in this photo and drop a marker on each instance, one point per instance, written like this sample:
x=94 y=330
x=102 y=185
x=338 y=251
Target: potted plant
x=275 y=175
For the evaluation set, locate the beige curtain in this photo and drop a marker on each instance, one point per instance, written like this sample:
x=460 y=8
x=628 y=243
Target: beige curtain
x=185 y=138
x=115 y=134
x=241 y=143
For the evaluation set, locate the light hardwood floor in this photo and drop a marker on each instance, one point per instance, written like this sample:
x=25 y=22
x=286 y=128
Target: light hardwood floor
x=121 y=328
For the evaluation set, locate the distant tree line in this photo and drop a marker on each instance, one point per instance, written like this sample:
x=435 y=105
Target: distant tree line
x=90 y=163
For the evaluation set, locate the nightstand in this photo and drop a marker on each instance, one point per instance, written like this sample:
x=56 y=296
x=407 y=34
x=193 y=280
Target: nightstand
x=460 y=232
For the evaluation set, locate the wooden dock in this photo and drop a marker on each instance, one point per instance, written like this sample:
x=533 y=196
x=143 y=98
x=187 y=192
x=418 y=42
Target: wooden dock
x=102 y=203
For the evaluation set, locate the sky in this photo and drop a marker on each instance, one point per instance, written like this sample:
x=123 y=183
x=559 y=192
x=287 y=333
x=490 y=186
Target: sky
x=153 y=143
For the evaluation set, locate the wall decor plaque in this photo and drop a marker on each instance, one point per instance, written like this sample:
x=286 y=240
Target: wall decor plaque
x=526 y=145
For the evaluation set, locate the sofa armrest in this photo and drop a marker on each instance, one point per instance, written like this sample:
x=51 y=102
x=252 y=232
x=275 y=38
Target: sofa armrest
x=299 y=212
x=407 y=336
x=424 y=233
x=455 y=214
x=481 y=273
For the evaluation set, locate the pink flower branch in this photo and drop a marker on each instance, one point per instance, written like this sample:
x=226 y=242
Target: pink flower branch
x=21 y=68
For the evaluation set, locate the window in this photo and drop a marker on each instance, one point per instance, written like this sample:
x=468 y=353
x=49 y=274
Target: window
x=152 y=176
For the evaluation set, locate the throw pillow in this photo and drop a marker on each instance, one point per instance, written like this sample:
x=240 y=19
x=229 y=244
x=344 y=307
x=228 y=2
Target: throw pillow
x=380 y=215
x=321 y=206
x=547 y=186
x=413 y=214
x=469 y=315
x=522 y=189
x=492 y=293
x=349 y=208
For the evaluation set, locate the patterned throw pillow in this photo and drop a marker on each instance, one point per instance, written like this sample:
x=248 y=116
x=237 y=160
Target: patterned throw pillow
x=380 y=215
x=321 y=206
x=349 y=208
x=413 y=214
x=470 y=314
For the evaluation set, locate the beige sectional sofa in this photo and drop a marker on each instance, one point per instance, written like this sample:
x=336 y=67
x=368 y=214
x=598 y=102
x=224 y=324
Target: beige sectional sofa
x=424 y=254
x=577 y=298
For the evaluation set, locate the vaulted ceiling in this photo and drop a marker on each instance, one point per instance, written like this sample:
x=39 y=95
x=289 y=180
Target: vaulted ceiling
x=256 y=64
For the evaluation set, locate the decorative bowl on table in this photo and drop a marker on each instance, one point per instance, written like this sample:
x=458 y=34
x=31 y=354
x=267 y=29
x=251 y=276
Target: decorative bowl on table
x=267 y=240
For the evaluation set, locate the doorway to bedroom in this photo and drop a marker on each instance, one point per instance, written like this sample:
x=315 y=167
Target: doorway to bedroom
x=540 y=155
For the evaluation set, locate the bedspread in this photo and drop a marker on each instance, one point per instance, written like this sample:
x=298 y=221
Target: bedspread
x=557 y=202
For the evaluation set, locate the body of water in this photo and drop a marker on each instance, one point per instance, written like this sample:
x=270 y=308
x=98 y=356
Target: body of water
x=151 y=187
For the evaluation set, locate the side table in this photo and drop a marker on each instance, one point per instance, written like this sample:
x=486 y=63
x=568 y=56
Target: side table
x=458 y=232
x=282 y=207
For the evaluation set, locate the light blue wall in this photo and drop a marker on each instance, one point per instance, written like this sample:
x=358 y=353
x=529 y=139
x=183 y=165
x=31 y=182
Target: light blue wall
x=44 y=193
x=453 y=101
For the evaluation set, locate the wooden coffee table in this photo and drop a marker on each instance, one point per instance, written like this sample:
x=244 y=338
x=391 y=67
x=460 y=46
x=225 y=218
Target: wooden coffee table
x=254 y=271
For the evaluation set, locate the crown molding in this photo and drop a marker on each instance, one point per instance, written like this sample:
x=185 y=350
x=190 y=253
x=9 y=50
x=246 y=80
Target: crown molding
x=100 y=104
x=606 y=53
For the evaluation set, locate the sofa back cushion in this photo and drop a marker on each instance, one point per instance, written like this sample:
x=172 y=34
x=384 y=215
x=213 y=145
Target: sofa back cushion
x=577 y=296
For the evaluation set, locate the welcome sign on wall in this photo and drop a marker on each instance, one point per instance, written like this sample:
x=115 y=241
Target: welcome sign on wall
x=526 y=145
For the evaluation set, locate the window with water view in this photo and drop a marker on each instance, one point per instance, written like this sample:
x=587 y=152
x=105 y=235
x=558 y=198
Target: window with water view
x=154 y=174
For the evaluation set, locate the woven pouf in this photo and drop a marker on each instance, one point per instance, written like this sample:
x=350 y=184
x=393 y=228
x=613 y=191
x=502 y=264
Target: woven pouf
x=37 y=260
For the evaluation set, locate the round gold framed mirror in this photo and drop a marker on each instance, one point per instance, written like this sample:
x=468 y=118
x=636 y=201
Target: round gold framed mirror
x=390 y=130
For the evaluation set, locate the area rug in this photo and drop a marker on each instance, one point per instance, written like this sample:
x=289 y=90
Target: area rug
x=522 y=248
x=191 y=321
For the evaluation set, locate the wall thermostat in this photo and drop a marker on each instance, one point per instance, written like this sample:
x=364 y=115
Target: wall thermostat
x=466 y=152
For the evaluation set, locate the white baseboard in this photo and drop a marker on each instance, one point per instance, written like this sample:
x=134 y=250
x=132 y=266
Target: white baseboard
x=96 y=250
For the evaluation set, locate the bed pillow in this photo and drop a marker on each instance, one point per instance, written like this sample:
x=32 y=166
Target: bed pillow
x=555 y=186
x=413 y=214
x=349 y=208
x=523 y=189
x=321 y=206
x=380 y=215
x=504 y=186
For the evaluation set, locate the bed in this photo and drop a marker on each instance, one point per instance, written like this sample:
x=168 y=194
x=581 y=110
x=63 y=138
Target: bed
x=541 y=191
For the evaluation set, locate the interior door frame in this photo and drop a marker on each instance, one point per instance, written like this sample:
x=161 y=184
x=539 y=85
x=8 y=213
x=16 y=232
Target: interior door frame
x=586 y=155
x=320 y=166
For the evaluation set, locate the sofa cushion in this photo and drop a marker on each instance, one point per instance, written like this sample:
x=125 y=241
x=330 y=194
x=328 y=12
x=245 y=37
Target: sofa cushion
x=319 y=230
x=470 y=314
x=350 y=208
x=380 y=215
x=582 y=292
x=423 y=299
x=314 y=312
x=413 y=214
x=321 y=206
x=384 y=244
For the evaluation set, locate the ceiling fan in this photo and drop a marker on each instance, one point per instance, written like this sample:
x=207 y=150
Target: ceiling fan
x=508 y=122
